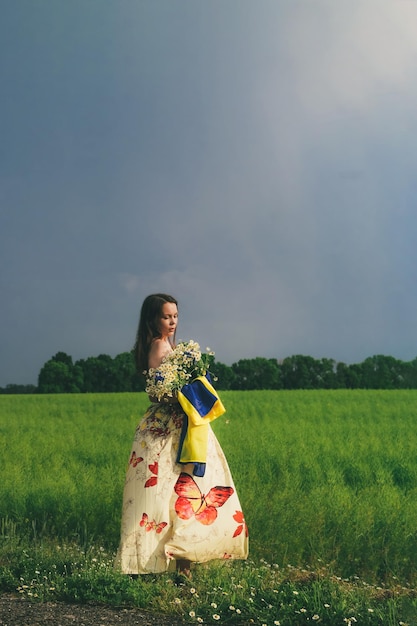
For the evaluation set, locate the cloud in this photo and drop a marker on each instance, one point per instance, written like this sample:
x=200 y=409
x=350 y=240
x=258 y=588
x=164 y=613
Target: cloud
x=351 y=54
x=254 y=159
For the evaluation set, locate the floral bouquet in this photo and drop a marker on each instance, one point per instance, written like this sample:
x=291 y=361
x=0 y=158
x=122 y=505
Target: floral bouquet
x=177 y=369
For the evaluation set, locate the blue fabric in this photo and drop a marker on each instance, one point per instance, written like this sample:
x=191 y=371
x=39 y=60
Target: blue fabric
x=199 y=396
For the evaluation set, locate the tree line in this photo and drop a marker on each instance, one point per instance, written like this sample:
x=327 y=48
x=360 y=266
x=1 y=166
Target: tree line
x=106 y=374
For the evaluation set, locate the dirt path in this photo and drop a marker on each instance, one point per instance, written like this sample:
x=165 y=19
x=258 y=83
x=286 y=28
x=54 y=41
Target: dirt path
x=17 y=611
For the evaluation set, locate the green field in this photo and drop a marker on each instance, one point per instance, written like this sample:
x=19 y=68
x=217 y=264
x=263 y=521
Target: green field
x=327 y=479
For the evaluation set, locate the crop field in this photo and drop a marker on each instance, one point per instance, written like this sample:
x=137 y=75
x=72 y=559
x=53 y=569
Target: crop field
x=327 y=479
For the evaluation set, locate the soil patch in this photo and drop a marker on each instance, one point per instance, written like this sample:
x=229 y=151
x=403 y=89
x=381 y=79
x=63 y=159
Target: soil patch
x=18 y=611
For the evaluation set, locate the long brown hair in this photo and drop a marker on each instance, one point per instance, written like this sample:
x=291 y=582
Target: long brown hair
x=148 y=328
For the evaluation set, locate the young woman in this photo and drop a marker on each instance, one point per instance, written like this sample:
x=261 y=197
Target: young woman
x=172 y=517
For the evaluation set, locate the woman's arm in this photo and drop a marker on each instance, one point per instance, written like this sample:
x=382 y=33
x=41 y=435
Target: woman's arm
x=159 y=350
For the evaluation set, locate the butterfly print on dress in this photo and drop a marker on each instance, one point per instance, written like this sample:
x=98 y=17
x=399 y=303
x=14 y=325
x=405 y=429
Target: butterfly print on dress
x=191 y=501
x=239 y=518
x=135 y=460
x=145 y=523
x=151 y=482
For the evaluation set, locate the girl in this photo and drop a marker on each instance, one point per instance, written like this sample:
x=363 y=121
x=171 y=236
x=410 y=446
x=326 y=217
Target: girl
x=170 y=516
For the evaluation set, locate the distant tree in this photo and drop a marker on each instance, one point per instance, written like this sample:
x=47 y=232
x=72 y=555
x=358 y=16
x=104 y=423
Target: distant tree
x=9 y=389
x=63 y=357
x=257 y=373
x=347 y=376
x=125 y=373
x=224 y=374
x=356 y=376
x=305 y=372
x=98 y=374
x=410 y=374
x=326 y=373
x=298 y=372
x=57 y=376
x=382 y=372
x=104 y=374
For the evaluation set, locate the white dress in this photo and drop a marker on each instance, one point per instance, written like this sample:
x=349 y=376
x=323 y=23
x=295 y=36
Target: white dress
x=170 y=515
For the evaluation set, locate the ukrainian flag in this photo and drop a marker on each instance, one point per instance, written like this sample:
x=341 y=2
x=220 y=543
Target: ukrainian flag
x=201 y=405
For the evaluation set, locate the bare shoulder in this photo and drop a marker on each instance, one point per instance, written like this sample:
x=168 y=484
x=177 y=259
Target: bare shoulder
x=159 y=349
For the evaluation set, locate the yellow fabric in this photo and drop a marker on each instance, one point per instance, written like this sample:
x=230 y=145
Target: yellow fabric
x=194 y=447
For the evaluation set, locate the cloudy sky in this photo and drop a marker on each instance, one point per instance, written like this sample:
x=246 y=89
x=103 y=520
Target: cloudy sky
x=257 y=160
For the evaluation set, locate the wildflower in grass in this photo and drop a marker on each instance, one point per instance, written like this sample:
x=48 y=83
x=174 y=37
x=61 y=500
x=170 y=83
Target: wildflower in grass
x=200 y=620
x=216 y=616
x=315 y=617
x=192 y=590
x=327 y=606
x=177 y=601
x=213 y=605
x=191 y=613
x=232 y=608
x=277 y=622
x=303 y=610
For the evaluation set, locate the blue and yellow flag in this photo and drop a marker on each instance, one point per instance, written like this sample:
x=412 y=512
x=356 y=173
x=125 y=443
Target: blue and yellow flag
x=202 y=405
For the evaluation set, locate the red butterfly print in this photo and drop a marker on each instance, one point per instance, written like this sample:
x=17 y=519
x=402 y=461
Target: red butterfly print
x=158 y=528
x=135 y=460
x=238 y=517
x=151 y=482
x=192 y=502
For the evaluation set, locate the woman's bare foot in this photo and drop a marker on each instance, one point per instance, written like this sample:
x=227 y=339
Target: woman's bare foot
x=184 y=568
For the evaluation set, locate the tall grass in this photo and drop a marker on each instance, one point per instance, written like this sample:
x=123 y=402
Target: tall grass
x=324 y=477
x=328 y=475
x=64 y=461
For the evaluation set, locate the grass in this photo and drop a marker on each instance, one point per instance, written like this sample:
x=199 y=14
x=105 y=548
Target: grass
x=327 y=480
x=328 y=475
